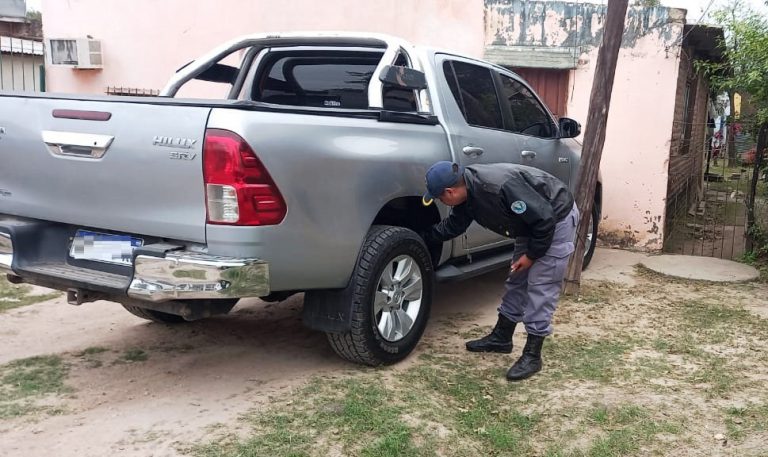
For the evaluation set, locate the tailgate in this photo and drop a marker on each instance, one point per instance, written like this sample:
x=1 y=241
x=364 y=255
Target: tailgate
x=139 y=172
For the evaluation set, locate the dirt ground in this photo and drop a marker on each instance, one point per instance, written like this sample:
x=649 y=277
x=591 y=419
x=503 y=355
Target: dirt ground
x=196 y=375
x=134 y=388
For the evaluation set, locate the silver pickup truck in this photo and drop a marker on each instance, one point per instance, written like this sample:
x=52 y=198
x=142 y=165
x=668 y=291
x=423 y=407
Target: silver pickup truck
x=307 y=178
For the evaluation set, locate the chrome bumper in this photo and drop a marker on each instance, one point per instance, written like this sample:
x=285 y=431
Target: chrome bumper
x=183 y=275
x=6 y=252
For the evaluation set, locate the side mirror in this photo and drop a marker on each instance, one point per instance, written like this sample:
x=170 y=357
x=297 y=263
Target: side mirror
x=403 y=78
x=569 y=128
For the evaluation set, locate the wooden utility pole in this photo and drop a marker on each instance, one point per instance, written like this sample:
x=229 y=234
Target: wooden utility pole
x=594 y=136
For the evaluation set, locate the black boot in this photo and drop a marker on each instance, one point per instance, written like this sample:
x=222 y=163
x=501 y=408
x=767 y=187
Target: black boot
x=500 y=339
x=530 y=362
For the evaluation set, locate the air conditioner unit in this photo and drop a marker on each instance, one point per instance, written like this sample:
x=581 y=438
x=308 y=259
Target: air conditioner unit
x=78 y=53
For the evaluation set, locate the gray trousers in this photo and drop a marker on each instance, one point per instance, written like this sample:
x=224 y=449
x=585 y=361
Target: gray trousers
x=532 y=294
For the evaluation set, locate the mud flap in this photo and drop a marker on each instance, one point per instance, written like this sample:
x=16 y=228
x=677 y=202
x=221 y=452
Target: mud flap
x=328 y=310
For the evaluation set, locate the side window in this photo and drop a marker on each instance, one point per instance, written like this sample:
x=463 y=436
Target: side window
x=472 y=87
x=526 y=114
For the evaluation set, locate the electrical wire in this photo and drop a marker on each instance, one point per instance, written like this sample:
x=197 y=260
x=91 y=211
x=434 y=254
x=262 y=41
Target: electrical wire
x=706 y=10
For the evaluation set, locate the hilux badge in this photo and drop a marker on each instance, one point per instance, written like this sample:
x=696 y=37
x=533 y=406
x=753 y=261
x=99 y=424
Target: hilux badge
x=171 y=142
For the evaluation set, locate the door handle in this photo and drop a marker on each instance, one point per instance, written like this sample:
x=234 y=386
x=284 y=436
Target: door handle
x=528 y=154
x=473 y=151
x=82 y=145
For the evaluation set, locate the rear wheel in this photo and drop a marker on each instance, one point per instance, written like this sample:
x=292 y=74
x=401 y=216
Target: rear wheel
x=392 y=295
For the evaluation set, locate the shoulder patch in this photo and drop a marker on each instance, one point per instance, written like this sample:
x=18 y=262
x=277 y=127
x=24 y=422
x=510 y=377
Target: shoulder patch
x=519 y=207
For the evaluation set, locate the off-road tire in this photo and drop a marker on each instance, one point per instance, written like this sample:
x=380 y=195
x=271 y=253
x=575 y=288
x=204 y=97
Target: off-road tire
x=363 y=343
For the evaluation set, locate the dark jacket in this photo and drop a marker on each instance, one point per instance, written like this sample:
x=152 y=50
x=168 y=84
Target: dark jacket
x=511 y=200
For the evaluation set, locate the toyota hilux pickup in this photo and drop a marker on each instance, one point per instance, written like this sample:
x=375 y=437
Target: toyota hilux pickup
x=307 y=177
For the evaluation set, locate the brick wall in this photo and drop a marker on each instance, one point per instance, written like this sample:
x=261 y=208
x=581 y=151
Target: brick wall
x=689 y=136
x=675 y=156
x=700 y=134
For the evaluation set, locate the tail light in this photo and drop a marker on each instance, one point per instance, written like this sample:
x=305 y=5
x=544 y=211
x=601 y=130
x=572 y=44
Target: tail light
x=238 y=189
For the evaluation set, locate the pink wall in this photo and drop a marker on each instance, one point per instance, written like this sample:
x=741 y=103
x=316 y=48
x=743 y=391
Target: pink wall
x=635 y=157
x=145 y=41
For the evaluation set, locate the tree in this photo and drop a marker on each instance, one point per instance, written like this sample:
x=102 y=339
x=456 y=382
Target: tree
x=745 y=70
x=34 y=16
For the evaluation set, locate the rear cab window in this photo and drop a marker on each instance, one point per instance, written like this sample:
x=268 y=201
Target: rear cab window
x=324 y=79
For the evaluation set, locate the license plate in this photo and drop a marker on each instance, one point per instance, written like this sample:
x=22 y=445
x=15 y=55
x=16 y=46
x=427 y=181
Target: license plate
x=103 y=247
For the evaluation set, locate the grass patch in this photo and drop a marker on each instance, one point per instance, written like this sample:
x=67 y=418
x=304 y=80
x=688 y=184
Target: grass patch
x=34 y=376
x=700 y=333
x=716 y=375
x=364 y=418
x=93 y=350
x=728 y=185
x=478 y=413
x=598 y=292
x=621 y=430
x=646 y=369
x=685 y=343
x=700 y=324
x=24 y=380
x=133 y=355
x=579 y=359
x=90 y=356
x=17 y=295
x=749 y=419
x=708 y=316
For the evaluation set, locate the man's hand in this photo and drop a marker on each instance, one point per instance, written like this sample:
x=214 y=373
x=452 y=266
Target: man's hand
x=521 y=264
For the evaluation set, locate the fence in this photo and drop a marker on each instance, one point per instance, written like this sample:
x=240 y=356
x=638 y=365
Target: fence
x=709 y=218
x=21 y=65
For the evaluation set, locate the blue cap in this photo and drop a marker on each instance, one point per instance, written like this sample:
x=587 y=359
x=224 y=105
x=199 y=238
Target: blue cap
x=440 y=176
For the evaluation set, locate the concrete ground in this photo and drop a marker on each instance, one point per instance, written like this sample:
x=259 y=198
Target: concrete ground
x=618 y=266
x=613 y=265
x=700 y=268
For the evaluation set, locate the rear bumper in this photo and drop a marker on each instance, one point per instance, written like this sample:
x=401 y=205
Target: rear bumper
x=182 y=275
x=159 y=273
